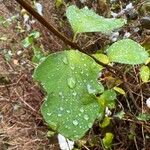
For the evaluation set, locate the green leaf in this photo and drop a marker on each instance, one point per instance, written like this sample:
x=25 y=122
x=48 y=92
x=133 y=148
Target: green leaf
x=27 y=41
x=120 y=114
x=102 y=58
x=143 y=117
x=58 y=3
x=108 y=98
x=127 y=51
x=70 y=79
x=107 y=140
x=85 y=20
x=145 y=73
x=34 y=34
x=38 y=55
x=105 y=122
x=119 y=90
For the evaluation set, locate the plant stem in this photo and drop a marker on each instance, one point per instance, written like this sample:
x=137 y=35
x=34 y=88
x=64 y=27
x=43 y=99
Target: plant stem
x=48 y=25
x=51 y=28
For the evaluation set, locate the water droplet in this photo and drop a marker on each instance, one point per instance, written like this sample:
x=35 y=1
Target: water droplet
x=86 y=117
x=74 y=93
x=68 y=111
x=87 y=74
x=65 y=61
x=81 y=110
x=79 y=115
x=61 y=108
x=75 y=122
x=72 y=67
x=59 y=115
x=82 y=72
x=90 y=90
x=49 y=114
x=84 y=65
x=60 y=93
x=90 y=125
x=84 y=80
x=71 y=82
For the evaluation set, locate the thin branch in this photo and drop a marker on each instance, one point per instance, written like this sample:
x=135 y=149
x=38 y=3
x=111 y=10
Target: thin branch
x=51 y=28
x=48 y=25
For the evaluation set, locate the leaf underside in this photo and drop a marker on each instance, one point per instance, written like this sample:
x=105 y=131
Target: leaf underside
x=86 y=20
x=70 y=79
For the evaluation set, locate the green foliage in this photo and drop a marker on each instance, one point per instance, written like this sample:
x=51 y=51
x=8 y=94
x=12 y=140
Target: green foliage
x=127 y=51
x=107 y=140
x=58 y=3
x=29 y=40
x=143 y=117
x=70 y=80
x=120 y=114
x=38 y=55
x=102 y=58
x=85 y=20
x=105 y=122
x=145 y=73
x=107 y=99
x=70 y=77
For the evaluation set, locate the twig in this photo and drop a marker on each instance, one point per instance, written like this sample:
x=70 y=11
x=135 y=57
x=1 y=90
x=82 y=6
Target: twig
x=48 y=25
x=51 y=28
x=130 y=93
x=25 y=102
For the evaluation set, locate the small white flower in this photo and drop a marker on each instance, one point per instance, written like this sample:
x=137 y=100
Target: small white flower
x=148 y=102
x=64 y=143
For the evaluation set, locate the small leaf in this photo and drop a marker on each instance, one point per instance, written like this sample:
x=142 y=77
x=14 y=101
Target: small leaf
x=70 y=80
x=147 y=61
x=107 y=140
x=58 y=3
x=105 y=122
x=145 y=73
x=86 y=20
x=27 y=41
x=102 y=58
x=108 y=98
x=34 y=34
x=38 y=55
x=127 y=51
x=120 y=114
x=143 y=117
x=119 y=90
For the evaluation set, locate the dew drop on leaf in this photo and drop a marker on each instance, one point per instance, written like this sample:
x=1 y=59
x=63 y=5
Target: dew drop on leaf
x=65 y=61
x=86 y=117
x=71 y=82
x=75 y=122
x=81 y=110
x=90 y=89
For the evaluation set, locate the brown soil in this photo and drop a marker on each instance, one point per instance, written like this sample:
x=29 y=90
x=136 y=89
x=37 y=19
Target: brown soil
x=21 y=123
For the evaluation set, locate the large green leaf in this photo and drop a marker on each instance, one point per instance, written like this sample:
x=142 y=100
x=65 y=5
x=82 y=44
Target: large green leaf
x=85 y=20
x=70 y=79
x=127 y=51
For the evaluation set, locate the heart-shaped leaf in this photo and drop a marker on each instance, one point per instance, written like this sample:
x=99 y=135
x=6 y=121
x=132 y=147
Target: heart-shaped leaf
x=85 y=20
x=127 y=51
x=70 y=79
